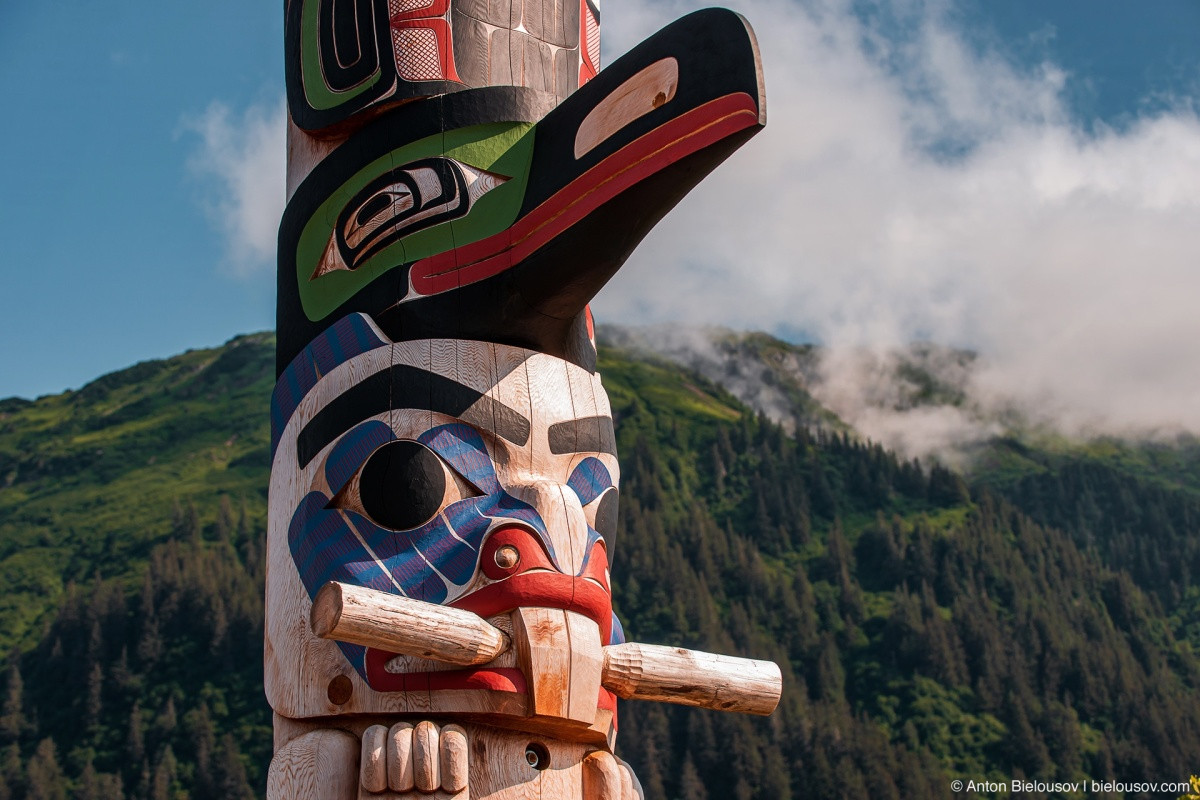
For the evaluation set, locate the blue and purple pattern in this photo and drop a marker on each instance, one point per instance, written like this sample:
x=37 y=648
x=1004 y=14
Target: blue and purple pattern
x=434 y=562
x=590 y=479
x=348 y=337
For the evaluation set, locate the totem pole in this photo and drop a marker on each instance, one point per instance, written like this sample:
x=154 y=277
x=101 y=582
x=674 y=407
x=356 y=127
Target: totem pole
x=462 y=181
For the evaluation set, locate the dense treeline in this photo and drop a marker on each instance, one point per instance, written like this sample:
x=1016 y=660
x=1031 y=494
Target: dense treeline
x=927 y=628
x=937 y=638
x=154 y=693
x=1132 y=523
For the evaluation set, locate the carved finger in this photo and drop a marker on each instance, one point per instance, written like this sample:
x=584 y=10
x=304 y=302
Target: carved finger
x=453 y=749
x=602 y=777
x=400 y=758
x=426 y=758
x=373 y=770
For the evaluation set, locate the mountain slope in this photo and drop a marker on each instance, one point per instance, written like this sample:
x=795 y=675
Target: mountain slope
x=927 y=627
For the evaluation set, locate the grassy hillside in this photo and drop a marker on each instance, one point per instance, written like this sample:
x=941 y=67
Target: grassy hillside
x=93 y=479
x=1024 y=623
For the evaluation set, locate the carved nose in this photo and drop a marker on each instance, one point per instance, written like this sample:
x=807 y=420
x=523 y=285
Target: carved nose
x=563 y=515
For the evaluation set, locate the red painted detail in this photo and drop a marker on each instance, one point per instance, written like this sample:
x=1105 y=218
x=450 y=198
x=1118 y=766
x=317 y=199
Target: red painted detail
x=432 y=17
x=437 y=8
x=543 y=590
x=587 y=68
x=536 y=583
x=532 y=553
x=656 y=150
x=445 y=40
x=591 y=323
x=501 y=679
x=597 y=566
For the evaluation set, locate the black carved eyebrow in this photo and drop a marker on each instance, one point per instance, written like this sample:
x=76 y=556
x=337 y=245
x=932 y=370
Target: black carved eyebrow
x=583 y=435
x=402 y=386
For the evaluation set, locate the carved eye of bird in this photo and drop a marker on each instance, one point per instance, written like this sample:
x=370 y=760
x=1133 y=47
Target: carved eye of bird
x=404 y=200
x=401 y=486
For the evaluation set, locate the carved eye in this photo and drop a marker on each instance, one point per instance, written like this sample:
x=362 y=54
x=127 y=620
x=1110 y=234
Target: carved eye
x=401 y=486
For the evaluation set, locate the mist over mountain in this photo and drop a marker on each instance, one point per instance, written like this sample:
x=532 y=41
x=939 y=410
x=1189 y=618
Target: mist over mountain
x=1036 y=615
x=922 y=400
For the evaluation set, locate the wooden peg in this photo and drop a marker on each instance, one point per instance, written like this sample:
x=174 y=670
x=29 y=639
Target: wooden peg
x=359 y=615
x=692 y=678
x=632 y=671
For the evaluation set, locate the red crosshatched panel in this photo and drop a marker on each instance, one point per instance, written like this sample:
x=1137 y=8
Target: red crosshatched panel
x=422 y=40
x=404 y=10
x=397 y=8
x=417 y=54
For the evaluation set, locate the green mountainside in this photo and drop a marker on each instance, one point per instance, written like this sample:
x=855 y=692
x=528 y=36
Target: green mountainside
x=1039 y=618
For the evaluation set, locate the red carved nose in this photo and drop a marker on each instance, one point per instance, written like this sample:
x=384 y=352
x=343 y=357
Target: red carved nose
x=514 y=557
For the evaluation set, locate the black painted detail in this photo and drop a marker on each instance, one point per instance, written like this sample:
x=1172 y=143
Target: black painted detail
x=349 y=47
x=584 y=435
x=537 y=303
x=399 y=203
x=354 y=42
x=399 y=387
x=402 y=485
x=606 y=519
x=537 y=756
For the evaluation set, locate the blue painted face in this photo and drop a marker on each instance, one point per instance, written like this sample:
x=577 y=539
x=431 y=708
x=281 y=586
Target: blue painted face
x=421 y=530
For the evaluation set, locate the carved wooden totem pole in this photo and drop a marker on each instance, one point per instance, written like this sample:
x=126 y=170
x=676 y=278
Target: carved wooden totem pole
x=462 y=180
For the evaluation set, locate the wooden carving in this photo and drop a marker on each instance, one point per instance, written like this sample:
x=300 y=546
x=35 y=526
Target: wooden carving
x=462 y=180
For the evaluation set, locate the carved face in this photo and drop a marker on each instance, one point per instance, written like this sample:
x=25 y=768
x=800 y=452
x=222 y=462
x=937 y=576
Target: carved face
x=465 y=473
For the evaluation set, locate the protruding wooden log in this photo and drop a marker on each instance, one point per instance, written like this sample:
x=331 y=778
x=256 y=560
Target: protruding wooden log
x=359 y=615
x=632 y=671
x=692 y=678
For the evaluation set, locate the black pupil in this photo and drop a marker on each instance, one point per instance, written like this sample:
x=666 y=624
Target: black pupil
x=402 y=485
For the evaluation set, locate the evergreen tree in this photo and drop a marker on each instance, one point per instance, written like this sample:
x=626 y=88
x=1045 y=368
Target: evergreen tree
x=45 y=777
x=690 y=785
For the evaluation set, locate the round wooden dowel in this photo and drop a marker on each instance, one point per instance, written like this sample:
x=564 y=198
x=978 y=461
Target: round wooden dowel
x=358 y=615
x=691 y=678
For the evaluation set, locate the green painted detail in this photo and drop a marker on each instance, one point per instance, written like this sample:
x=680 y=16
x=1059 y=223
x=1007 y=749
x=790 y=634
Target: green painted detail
x=316 y=90
x=504 y=148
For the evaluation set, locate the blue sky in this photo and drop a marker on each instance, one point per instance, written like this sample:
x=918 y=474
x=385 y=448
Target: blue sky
x=136 y=134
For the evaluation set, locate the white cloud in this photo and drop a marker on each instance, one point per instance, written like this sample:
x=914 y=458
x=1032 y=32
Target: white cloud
x=242 y=159
x=920 y=189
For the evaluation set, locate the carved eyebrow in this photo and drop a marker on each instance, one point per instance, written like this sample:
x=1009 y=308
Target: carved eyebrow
x=583 y=435
x=403 y=386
